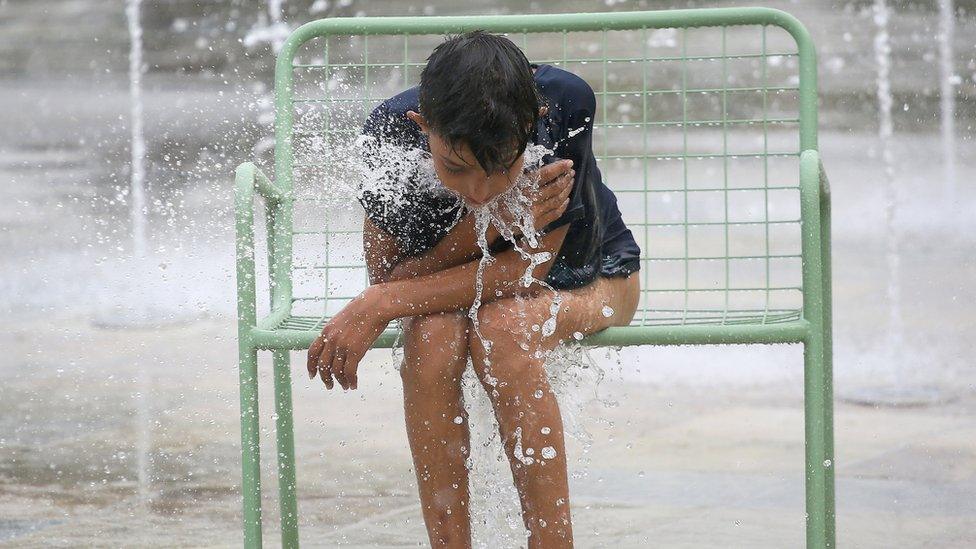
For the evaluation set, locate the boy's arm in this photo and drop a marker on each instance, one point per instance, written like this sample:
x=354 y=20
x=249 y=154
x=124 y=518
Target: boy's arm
x=455 y=288
x=460 y=245
x=386 y=263
x=347 y=336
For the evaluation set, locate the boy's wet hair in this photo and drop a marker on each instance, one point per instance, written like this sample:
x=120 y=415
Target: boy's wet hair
x=478 y=88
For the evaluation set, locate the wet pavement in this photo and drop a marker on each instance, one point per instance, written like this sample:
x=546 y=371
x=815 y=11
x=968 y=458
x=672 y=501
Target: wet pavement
x=673 y=465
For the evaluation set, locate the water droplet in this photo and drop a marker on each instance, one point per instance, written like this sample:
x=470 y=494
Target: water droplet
x=459 y=420
x=578 y=336
x=827 y=463
x=549 y=327
x=546 y=430
x=548 y=452
x=607 y=311
x=538 y=393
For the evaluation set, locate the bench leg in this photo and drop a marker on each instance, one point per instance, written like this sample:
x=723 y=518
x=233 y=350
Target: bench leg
x=250 y=447
x=817 y=354
x=287 y=501
x=818 y=358
x=828 y=367
x=819 y=443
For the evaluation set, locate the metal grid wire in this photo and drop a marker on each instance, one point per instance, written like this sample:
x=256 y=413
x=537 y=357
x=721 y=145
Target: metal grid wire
x=696 y=131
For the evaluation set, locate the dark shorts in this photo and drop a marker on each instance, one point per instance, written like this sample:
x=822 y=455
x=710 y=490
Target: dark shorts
x=564 y=277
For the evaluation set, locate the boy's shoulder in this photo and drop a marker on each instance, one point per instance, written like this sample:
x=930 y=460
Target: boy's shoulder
x=567 y=89
x=389 y=118
x=407 y=100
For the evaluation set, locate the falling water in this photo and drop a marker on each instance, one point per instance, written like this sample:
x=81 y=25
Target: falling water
x=139 y=233
x=882 y=54
x=571 y=372
x=517 y=203
x=948 y=81
x=138 y=142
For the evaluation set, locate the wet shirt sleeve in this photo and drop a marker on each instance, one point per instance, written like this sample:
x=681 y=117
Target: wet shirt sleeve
x=574 y=136
x=392 y=194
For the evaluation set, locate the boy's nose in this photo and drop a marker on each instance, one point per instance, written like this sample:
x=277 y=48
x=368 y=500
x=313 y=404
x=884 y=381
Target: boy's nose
x=480 y=194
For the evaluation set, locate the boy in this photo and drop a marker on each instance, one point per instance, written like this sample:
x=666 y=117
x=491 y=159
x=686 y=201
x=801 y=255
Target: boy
x=479 y=104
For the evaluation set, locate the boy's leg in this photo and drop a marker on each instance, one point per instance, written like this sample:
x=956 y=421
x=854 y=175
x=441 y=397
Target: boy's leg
x=525 y=407
x=435 y=355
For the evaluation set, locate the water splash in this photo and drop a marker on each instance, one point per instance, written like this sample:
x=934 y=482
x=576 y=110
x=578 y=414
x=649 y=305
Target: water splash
x=137 y=140
x=270 y=29
x=882 y=53
x=138 y=213
x=574 y=377
x=948 y=81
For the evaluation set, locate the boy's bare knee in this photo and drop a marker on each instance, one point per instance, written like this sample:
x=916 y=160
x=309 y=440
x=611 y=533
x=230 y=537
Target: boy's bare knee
x=435 y=347
x=500 y=324
x=514 y=344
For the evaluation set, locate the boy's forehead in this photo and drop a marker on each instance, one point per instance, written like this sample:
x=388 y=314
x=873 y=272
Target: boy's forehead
x=459 y=153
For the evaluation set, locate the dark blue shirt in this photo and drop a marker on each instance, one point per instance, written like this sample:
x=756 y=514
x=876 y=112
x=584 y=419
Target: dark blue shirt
x=597 y=241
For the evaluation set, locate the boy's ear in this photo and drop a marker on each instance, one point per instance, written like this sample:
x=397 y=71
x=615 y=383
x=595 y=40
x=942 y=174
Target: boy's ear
x=418 y=118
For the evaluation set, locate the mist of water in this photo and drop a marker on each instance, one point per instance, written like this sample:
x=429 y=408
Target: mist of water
x=270 y=29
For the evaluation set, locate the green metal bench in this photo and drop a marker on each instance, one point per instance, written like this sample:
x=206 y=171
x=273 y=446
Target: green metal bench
x=706 y=130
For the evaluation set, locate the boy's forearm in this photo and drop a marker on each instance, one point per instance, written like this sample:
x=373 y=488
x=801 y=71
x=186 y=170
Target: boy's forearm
x=454 y=289
x=459 y=246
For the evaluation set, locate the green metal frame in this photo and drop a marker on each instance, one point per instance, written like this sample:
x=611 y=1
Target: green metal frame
x=281 y=332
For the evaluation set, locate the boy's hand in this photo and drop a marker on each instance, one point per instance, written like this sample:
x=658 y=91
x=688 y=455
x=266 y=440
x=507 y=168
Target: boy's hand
x=343 y=342
x=551 y=198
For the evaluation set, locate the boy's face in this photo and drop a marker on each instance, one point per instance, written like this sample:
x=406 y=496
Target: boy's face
x=460 y=171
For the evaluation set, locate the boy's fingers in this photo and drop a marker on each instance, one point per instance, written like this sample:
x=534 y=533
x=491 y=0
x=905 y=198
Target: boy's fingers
x=338 y=365
x=313 y=356
x=552 y=214
x=559 y=186
x=349 y=370
x=549 y=172
x=557 y=199
x=325 y=365
x=558 y=210
x=355 y=375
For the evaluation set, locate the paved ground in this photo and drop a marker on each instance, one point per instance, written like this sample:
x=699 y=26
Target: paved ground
x=670 y=466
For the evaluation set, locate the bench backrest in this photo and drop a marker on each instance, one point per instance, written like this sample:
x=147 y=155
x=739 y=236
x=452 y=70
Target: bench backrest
x=701 y=119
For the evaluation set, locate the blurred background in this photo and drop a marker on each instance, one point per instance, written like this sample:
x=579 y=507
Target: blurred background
x=119 y=405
